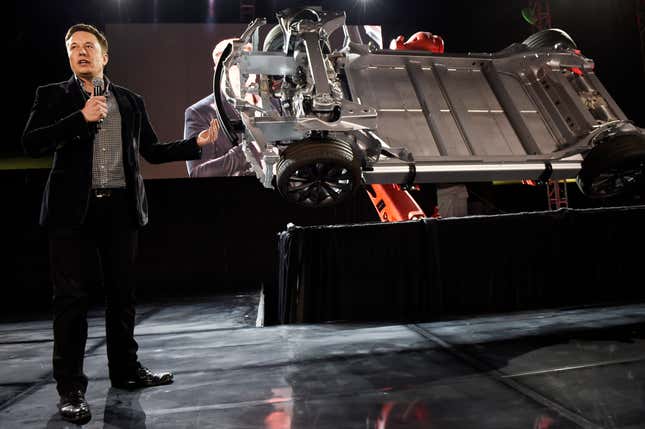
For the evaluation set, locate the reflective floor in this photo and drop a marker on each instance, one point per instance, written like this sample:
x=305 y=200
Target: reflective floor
x=543 y=370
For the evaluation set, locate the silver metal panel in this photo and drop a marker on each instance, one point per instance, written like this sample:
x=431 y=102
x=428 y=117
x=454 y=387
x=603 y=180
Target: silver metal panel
x=316 y=62
x=456 y=106
x=395 y=127
x=454 y=142
x=552 y=115
x=513 y=85
x=472 y=122
x=383 y=83
x=533 y=117
x=491 y=139
x=469 y=172
x=510 y=114
x=390 y=90
x=385 y=88
x=431 y=110
x=400 y=121
x=482 y=117
x=452 y=137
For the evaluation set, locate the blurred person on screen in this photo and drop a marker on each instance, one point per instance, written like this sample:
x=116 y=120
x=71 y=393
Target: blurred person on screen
x=221 y=158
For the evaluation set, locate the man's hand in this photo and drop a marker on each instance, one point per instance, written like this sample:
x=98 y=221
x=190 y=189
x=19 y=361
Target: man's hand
x=209 y=135
x=95 y=109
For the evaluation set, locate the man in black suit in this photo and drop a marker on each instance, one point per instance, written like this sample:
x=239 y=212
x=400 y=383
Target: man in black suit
x=93 y=204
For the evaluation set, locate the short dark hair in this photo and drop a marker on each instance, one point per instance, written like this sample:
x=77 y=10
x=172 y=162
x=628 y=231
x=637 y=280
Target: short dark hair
x=90 y=29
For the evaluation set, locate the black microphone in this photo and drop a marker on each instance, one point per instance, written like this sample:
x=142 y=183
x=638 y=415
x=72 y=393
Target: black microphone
x=98 y=90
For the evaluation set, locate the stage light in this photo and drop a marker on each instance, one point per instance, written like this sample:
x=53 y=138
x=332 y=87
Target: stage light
x=362 y=4
x=211 y=10
x=155 y=11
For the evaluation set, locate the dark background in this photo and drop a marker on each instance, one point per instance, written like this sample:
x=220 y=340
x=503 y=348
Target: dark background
x=220 y=234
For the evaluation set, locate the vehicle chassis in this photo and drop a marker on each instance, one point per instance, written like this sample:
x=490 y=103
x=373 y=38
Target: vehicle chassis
x=333 y=119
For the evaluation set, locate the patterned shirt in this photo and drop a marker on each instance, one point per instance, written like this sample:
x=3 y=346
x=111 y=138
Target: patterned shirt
x=107 y=163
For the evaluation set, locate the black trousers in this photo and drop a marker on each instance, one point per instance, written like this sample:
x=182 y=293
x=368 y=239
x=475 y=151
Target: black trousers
x=106 y=242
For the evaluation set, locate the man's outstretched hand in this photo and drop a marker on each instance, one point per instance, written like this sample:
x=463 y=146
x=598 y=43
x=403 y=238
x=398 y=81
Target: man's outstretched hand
x=209 y=135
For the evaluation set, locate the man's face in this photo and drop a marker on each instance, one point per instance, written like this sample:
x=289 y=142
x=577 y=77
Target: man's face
x=86 y=58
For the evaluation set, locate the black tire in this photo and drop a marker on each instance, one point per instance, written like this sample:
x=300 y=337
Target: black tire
x=614 y=167
x=550 y=38
x=318 y=173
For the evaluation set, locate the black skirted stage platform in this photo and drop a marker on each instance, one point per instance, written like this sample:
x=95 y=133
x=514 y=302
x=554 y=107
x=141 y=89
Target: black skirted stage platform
x=433 y=268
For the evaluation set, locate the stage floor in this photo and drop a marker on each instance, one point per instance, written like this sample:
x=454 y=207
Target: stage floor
x=565 y=368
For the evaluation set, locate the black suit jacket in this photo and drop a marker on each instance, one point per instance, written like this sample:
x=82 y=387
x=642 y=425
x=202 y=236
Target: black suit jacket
x=56 y=125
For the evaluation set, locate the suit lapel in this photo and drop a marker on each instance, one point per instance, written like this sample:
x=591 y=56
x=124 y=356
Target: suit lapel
x=127 y=111
x=76 y=96
x=129 y=127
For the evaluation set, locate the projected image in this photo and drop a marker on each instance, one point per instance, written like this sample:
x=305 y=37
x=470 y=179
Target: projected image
x=222 y=158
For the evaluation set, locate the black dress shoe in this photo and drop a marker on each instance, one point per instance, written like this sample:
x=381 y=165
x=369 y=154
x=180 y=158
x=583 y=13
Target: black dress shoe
x=73 y=407
x=143 y=377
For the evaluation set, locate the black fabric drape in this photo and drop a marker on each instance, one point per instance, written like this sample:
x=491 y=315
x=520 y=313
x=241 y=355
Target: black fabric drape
x=433 y=268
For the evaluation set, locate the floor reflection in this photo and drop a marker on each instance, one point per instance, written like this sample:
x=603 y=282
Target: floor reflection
x=123 y=410
x=280 y=417
x=562 y=369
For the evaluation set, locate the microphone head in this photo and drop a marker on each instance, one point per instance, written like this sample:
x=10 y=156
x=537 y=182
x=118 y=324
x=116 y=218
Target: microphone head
x=98 y=86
